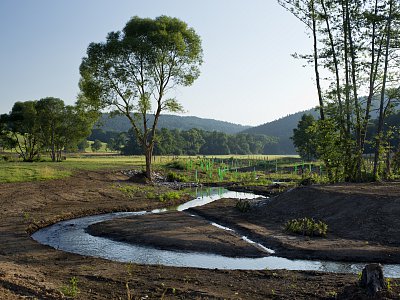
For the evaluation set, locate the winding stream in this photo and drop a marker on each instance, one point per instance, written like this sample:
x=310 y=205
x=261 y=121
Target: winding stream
x=70 y=236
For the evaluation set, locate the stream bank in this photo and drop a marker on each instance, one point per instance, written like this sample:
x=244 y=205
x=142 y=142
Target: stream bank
x=29 y=269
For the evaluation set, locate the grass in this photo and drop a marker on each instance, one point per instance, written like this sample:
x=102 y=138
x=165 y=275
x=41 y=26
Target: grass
x=45 y=170
x=71 y=290
x=150 y=192
x=103 y=148
x=17 y=171
x=307 y=226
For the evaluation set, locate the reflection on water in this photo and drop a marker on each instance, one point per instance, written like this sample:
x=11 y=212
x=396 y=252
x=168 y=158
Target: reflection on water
x=70 y=236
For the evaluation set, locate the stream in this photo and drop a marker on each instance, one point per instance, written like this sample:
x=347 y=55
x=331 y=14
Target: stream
x=71 y=236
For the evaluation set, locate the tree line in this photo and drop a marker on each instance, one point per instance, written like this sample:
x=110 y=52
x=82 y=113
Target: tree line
x=187 y=142
x=45 y=125
x=355 y=46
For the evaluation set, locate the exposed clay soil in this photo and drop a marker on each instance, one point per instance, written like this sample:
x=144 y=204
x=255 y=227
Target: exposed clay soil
x=29 y=270
x=363 y=220
x=175 y=231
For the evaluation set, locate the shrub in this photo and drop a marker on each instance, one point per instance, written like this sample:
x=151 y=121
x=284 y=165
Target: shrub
x=243 y=205
x=71 y=290
x=169 y=196
x=176 y=164
x=172 y=176
x=307 y=226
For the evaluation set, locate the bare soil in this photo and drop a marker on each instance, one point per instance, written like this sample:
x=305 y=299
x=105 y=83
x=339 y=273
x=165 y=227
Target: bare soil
x=176 y=231
x=29 y=270
x=363 y=221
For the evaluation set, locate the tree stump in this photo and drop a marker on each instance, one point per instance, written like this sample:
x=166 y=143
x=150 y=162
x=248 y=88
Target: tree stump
x=372 y=278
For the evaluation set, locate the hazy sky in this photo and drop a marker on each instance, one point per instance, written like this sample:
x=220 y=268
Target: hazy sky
x=248 y=75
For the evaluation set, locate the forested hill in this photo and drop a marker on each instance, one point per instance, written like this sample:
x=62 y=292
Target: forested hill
x=283 y=130
x=121 y=124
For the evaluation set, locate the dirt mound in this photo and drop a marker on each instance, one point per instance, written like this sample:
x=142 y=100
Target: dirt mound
x=367 y=212
x=363 y=223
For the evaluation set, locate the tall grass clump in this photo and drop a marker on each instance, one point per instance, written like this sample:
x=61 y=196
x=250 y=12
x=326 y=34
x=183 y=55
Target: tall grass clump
x=176 y=164
x=307 y=226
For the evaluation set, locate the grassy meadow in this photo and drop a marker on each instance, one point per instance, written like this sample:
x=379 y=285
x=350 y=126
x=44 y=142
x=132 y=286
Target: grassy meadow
x=200 y=168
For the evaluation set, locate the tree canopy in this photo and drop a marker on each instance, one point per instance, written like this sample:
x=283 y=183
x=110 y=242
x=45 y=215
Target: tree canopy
x=45 y=125
x=133 y=71
x=355 y=45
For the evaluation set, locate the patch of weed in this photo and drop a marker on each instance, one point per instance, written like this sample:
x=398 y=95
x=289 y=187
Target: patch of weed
x=71 y=290
x=307 y=226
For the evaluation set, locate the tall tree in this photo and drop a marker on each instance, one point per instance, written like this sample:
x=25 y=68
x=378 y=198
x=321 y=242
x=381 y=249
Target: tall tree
x=303 y=139
x=133 y=71
x=388 y=38
x=306 y=12
x=23 y=126
x=358 y=51
x=50 y=113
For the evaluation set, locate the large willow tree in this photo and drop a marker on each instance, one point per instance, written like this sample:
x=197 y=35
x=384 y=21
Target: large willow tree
x=134 y=69
x=356 y=47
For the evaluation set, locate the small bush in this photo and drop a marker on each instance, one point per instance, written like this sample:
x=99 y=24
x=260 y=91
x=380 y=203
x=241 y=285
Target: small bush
x=172 y=176
x=6 y=158
x=307 y=226
x=71 y=290
x=312 y=178
x=149 y=192
x=243 y=205
x=169 y=196
x=176 y=164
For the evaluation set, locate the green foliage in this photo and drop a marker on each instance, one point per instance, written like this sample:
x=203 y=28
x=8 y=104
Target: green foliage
x=332 y=294
x=172 y=176
x=17 y=172
x=71 y=290
x=388 y=282
x=303 y=138
x=308 y=178
x=150 y=192
x=243 y=205
x=45 y=125
x=307 y=226
x=330 y=148
x=167 y=196
x=12 y=171
x=196 y=141
x=358 y=72
x=96 y=146
x=143 y=61
x=176 y=164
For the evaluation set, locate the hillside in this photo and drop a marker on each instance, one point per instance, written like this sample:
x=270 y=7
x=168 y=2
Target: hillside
x=282 y=129
x=121 y=124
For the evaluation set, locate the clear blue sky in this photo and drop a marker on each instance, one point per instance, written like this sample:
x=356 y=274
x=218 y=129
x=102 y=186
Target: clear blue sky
x=248 y=75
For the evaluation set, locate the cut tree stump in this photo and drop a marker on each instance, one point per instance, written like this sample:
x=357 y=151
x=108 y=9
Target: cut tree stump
x=372 y=278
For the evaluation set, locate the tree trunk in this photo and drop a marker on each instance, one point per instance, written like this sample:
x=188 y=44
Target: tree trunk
x=336 y=64
x=347 y=139
x=381 y=106
x=53 y=148
x=148 y=155
x=372 y=78
x=316 y=66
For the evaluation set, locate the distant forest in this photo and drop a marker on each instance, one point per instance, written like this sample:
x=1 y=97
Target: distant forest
x=225 y=138
x=187 y=142
x=121 y=123
x=276 y=134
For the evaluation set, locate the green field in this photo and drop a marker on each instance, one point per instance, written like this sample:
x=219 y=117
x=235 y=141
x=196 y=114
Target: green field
x=18 y=171
x=33 y=171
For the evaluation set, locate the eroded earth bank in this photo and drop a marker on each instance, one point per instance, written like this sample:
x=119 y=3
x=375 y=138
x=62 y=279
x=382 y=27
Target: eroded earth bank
x=363 y=225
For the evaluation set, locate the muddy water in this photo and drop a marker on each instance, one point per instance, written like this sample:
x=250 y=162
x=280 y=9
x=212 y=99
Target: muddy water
x=70 y=236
